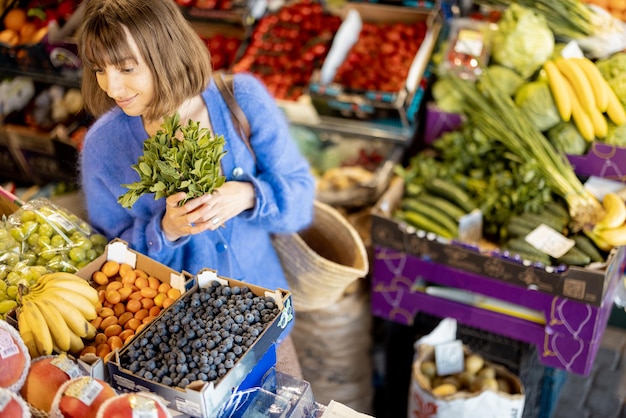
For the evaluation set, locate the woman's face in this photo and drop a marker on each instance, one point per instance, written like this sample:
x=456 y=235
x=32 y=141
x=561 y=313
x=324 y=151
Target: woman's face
x=131 y=85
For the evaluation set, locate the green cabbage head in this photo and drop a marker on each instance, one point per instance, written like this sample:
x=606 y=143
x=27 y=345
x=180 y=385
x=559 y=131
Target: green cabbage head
x=523 y=40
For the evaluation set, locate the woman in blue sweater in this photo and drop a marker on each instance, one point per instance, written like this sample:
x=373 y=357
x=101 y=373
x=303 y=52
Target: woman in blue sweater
x=143 y=61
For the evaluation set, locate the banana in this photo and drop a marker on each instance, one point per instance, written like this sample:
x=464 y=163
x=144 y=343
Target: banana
x=559 y=90
x=45 y=279
x=581 y=118
x=56 y=324
x=615 y=212
x=27 y=335
x=615 y=237
x=600 y=125
x=39 y=327
x=76 y=344
x=579 y=82
x=72 y=316
x=75 y=299
x=615 y=110
x=79 y=286
x=596 y=80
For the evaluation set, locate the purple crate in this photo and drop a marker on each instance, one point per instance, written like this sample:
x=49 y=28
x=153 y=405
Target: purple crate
x=602 y=160
x=569 y=339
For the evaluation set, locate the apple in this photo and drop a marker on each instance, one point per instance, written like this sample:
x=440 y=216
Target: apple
x=14 y=358
x=45 y=376
x=12 y=405
x=129 y=405
x=81 y=397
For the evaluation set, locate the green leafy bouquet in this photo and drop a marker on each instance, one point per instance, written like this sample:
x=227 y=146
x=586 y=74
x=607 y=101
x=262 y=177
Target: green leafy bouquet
x=170 y=165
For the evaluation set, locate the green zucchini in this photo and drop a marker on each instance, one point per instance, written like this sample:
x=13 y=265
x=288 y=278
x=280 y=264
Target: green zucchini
x=557 y=208
x=450 y=191
x=518 y=227
x=575 y=257
x=424 y=223
x=587 y=246
x=441 y=218
x=536 y=219
x=443 y=204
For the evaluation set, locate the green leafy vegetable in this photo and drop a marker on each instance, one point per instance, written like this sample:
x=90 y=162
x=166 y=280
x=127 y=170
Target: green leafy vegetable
x=536 y=101
x=523 y=41
x=506 y=79
x=170 y=165
x=566 y=138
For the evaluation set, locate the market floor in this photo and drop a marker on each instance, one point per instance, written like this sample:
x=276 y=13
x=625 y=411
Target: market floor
x=602 y=394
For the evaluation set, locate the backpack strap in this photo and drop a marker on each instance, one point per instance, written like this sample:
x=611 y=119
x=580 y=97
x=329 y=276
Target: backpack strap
x=226 y=86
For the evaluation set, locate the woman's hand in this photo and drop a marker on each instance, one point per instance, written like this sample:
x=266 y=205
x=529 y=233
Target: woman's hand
x=206 y=212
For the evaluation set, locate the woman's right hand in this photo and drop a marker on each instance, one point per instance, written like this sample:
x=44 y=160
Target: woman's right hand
x=188 y=219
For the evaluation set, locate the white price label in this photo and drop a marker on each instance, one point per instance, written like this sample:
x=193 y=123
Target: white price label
x=550 y=241
x=449 y=358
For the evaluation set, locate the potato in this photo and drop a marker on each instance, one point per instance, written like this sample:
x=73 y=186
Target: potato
x=444 y=389
x=484 y=383
x=428 y=369
x=473 y=363
x=504 y=385
x=487 y=371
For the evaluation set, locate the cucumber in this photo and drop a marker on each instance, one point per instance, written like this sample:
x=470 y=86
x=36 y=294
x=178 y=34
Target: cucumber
x=439 y=217
x=535 y=219
x=450 y=191
x=518 y=227
x=444 y=205
x=575 y=257
x=559 y=209
x=527 y=251
x=424 y=223
x=587 y=246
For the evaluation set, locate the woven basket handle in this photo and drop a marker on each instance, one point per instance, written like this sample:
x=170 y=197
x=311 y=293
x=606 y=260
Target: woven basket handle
x=226 y=87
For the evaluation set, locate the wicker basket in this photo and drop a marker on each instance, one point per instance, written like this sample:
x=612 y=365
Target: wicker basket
x=321 y=261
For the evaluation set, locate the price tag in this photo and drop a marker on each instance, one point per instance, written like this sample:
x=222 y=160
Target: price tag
x=549 y=241
x=471 y=226
x=449 y=358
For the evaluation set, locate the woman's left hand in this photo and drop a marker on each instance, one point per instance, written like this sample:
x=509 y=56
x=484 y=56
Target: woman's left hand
x=228 y=201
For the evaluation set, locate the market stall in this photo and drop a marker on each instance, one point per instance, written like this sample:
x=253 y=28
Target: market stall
x=468 y=156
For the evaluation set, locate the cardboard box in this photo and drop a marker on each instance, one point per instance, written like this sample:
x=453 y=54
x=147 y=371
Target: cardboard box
x=41 y=156
x=572 y=282
x=575 y=302
x=391 y=108
x=10 y=167
x=202 y=399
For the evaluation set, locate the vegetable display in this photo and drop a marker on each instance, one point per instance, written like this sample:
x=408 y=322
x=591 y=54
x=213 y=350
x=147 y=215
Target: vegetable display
x=177 y=158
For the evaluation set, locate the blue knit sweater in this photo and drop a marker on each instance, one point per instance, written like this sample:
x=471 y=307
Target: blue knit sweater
x=282 y=181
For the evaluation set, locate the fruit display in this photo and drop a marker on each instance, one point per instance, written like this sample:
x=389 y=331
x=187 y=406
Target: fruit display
x=223 y=50
x=55 y=313
x=583 y=95
x=287 y=45
x=128 y=405
x=45 y=376
x=201 y=336
x=41 y=238
x=129 y=299
x=15 y=359
x=27 y=22
x=81 y=397
x=380 y=48
x=12 y=405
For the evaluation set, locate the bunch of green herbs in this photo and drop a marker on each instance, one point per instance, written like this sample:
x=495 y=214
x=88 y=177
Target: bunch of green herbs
x=177 y=159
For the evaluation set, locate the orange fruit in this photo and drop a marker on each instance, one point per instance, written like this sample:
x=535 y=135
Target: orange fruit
x=15 y=19
x=9 y=37
x=27 y=31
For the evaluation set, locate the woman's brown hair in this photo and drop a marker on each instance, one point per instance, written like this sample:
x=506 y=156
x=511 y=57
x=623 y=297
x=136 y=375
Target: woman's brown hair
x=176 y=55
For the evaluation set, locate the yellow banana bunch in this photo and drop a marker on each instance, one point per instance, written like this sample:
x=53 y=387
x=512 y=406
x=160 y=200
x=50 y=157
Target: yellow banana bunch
x=55 y=314
x=583 y=95
x=610 y=231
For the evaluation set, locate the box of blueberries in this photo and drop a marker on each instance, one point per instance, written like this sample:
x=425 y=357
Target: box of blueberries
x=199 y=350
